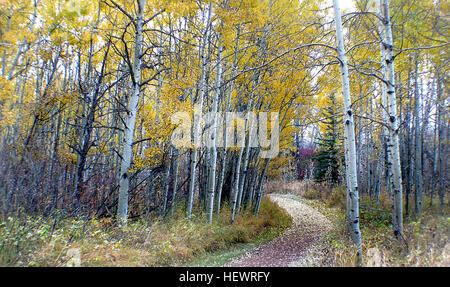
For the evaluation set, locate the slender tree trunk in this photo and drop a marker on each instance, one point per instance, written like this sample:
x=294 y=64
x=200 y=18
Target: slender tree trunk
x=434 y=181
x=418 y=194
x=225 y=127
x=4 y=60
x=349 y=136
x=54 y=157
x=167 y=181
x=250 y=121
x=440 y=143
x=196 y=127
x=175 y=180
x=388 y=44
x=258 y=199
x=386 y=138
x=130 y=121
x=148 y=194
x=213 y=139
x=408 y=161
x=237 y=176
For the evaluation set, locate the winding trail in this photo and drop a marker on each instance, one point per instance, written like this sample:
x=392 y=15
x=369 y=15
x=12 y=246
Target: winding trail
x=297 y=245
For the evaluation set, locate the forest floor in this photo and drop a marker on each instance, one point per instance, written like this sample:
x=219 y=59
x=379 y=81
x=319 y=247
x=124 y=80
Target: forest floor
x=298 y=245
x=299 y=224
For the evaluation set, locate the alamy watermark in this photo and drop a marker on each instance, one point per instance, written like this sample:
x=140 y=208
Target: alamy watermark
x=208 y=130
x=73 y=6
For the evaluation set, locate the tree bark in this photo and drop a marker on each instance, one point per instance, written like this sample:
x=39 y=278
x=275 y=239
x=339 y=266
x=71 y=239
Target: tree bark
x=175 y=180
x=349 y=136
x=418 y=190
x=213 y=139
x=130 y=121
x=225 y=127
x=388 y=45
x=196 y=126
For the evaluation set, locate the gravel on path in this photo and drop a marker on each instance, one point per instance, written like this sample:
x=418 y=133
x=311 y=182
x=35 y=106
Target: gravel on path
x=297 y=246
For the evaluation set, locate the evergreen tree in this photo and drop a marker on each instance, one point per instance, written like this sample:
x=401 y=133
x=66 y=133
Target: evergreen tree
x=327 y=158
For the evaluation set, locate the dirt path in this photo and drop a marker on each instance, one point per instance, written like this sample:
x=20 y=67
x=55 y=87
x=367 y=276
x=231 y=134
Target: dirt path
x=296 y=247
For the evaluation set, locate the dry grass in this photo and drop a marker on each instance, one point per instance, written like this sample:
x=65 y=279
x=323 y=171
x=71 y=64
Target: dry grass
x=307 y=189
x=160 y=243
x=426 y=241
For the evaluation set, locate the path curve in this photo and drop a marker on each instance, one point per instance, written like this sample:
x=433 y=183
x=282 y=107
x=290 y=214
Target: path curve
x=297 y=245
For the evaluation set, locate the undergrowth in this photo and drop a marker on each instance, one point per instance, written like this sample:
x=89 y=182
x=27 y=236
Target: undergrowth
x=425 y=241
x=35 y=241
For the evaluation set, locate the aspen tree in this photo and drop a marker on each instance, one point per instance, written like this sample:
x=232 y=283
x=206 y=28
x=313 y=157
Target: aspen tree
x=225 y=124
x=418 y=185
x=130 y=120
x=349 y=136
x=198 y=113
x=213 y=138
x=384 y=104
x=393 y=123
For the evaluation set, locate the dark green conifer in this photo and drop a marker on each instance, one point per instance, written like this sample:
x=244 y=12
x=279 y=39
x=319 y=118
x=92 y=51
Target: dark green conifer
x=327 y=158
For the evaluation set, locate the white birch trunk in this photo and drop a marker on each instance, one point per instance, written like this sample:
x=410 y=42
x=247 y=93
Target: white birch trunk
x=249 y=122
x=249 y=125
x=213 y=139
x=127 y=154
x=349 y=136
x=386 y=136
x=418 y=190
x=196 y=127
x=260 y=188
x=393 y=122
x=238 y=173
x=225 y=127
